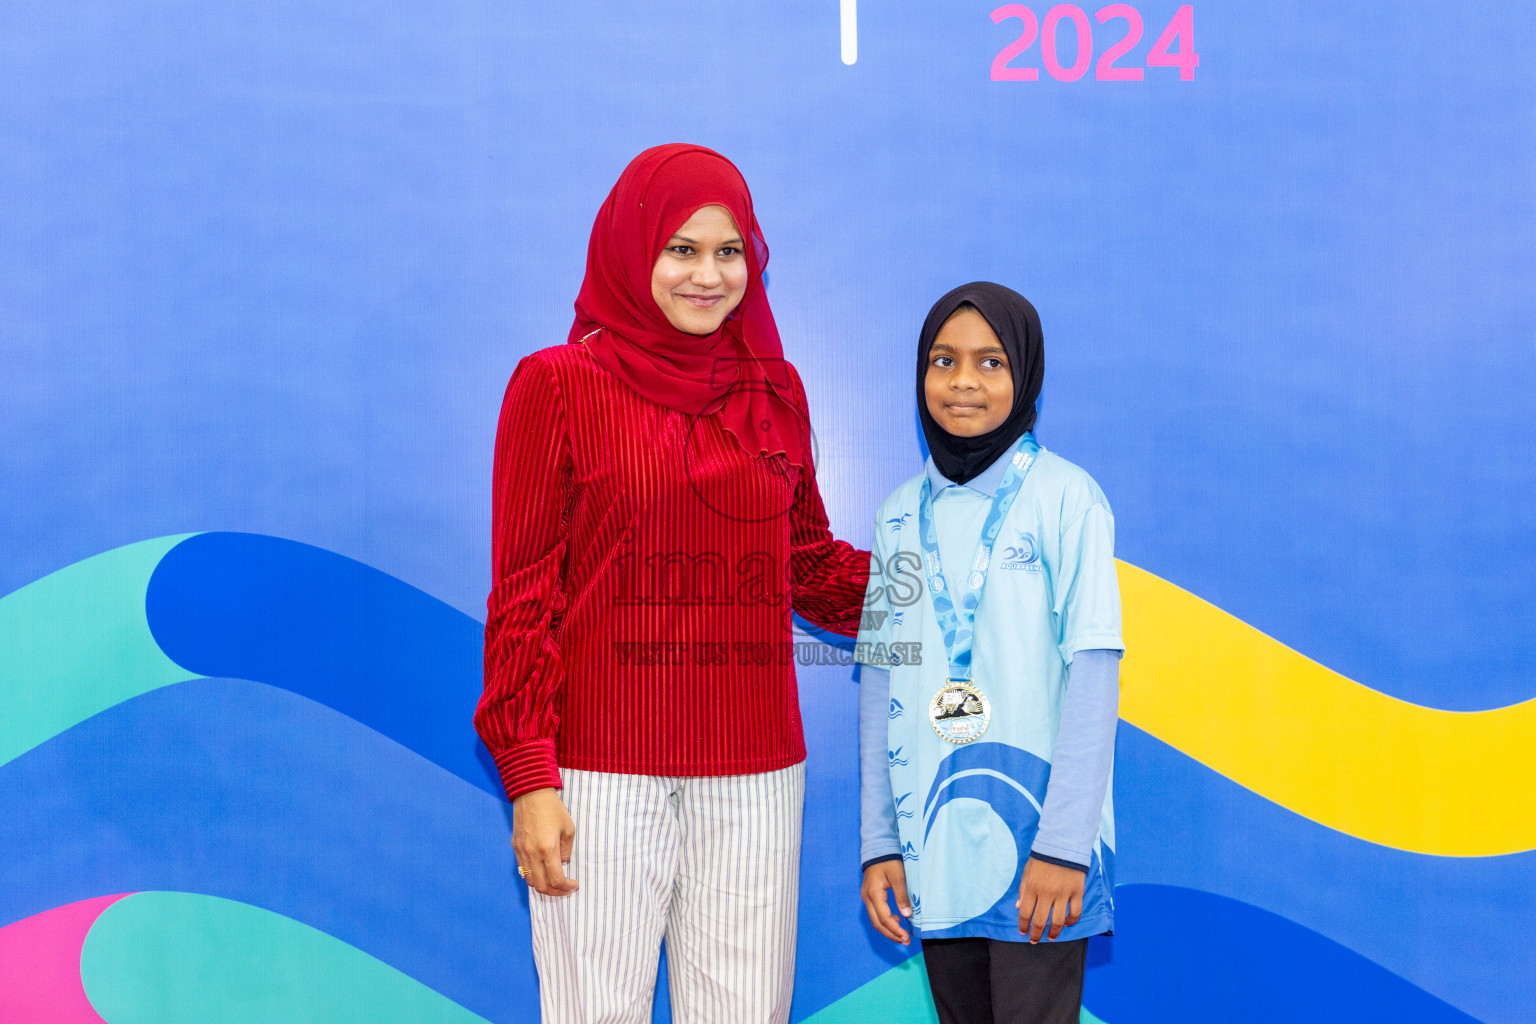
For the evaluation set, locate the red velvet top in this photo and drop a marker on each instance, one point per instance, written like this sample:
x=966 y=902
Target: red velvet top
x=645 y=571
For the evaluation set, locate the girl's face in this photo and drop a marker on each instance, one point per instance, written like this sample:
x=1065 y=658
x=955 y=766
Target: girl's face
x=701 y=275
x=969 y=385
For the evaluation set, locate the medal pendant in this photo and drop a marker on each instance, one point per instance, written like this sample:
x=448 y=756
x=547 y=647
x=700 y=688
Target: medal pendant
x=959 y=712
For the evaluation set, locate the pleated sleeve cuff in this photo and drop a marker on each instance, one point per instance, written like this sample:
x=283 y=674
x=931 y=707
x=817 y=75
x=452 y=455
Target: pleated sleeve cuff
x=528 y=766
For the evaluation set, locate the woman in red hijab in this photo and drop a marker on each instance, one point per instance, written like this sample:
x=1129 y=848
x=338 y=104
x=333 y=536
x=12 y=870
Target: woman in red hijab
x=656 y=520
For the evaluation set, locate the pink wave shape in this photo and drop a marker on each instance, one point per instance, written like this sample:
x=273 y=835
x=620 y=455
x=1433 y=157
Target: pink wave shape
x=40 y=964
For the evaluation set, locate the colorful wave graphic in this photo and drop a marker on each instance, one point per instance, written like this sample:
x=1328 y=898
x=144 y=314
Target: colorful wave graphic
x=77 y=642
x=254 y=723
x=184 y=958
x=1346 y=756
x=1203 y=957
x=1197 y=957
x=251 y=793
x=39 y=964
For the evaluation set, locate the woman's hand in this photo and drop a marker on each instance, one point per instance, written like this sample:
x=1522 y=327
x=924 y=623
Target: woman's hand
x=542 y=831
x=878 y=878
x=1049 y=891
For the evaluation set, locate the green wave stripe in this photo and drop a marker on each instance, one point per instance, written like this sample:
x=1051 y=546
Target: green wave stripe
x=899 y=996
x=77 y=642
x=184 y=958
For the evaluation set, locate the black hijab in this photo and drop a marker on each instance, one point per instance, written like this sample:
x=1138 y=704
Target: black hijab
x=1017 y=326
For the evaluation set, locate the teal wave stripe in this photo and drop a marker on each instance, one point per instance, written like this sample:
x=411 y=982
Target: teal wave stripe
x=185 y=958
x=77 y=642
x=899 y=996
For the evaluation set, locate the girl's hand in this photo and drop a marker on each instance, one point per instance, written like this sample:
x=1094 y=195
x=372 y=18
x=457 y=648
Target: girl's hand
x=1049 y=892
x=878 y=878
x=542 y=832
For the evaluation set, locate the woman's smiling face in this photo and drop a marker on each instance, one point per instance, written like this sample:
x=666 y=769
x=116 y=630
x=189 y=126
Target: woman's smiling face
x=968 y=384
x=701 y=274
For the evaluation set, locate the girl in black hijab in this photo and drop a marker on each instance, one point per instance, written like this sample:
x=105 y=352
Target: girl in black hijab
x=1017 y=326
x=1013 y=547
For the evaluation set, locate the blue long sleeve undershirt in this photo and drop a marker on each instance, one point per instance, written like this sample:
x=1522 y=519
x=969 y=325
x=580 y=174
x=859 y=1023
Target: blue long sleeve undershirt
x=1080 y=764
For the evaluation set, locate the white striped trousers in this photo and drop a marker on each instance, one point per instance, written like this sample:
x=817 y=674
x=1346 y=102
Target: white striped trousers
x=712 y=863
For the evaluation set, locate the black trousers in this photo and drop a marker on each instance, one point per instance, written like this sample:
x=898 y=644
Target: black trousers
x=986 y=981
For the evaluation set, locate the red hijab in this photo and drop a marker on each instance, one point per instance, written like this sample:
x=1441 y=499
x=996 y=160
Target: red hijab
x=738 y=371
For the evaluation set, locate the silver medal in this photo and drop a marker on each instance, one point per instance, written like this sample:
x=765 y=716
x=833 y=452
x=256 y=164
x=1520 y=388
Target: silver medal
x=959 y=712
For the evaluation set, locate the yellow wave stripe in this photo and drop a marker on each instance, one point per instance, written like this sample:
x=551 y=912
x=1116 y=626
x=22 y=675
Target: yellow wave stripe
x=1451 y=783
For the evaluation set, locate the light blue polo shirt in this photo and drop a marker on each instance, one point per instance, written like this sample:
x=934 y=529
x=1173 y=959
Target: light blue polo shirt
x=968 y=814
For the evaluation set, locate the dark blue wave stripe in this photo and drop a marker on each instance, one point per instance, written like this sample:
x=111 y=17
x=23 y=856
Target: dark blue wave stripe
x=1181 y=824
x=245 y=791
x=337 y=631
x=1184 y=957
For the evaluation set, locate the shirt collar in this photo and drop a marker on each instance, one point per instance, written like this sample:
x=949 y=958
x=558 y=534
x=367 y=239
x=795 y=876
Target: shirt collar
x=986 y=481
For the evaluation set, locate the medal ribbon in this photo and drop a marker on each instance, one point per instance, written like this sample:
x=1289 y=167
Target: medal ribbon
x=958 y=627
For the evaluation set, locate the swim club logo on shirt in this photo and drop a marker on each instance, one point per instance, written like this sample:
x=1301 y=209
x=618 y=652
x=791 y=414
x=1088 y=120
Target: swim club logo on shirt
x=1023 y=555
